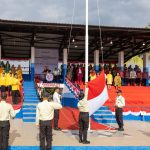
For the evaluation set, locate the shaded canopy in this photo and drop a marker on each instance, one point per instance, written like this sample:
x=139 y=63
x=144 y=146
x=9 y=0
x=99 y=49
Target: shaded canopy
x=17 y=37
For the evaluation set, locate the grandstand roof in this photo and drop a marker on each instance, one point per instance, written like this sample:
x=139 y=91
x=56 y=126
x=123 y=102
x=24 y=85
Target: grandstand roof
x=17 y=37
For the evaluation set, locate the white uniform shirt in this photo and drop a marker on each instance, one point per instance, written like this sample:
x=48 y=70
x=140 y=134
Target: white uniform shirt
x=120 y=101
x=83 y=104
x=45 y=110
x=56 y=97
x=6 y=111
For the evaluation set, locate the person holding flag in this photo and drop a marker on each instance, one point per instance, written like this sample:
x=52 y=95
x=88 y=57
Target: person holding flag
x=83 y=116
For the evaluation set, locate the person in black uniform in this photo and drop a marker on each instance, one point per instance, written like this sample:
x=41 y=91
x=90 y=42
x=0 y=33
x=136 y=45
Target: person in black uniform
x=6 y=112
x=83 y=116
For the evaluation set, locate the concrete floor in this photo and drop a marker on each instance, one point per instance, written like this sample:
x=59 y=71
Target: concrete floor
x=136 y=133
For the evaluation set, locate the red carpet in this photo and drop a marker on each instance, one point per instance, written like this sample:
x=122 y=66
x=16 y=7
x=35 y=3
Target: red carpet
x=137 y=98
x=69 y=120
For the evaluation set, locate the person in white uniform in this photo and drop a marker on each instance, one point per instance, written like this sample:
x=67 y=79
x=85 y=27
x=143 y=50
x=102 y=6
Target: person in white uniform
x=6 y=113
x=44 y=117
x=57 y=99
x=119 y=104
x=83 y=116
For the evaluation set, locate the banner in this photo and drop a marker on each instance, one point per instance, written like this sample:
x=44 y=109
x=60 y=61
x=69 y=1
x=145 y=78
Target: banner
x=45 y=57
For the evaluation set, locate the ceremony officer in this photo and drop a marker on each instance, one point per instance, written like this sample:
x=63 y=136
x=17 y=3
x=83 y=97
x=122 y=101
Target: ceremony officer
x=83 y=116
x=56 y=98
x=120 y=103
x=44 y=117
x=6 y=112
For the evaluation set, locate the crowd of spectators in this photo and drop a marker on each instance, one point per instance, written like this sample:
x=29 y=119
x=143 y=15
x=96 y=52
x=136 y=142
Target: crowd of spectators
x=114 y=75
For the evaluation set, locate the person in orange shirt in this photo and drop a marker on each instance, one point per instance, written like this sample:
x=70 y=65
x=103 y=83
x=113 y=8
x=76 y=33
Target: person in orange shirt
x=3 y=82
x=117 y=81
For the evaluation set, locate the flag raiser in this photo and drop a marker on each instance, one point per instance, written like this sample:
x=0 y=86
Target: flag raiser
x=98 y=93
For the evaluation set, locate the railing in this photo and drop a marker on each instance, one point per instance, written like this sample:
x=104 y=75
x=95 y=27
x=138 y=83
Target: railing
x=72 y=86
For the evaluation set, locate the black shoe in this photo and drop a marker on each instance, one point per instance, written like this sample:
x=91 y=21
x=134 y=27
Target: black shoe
x=86 y=142
x=58 y=129
x=80 y=141
x=121 y=129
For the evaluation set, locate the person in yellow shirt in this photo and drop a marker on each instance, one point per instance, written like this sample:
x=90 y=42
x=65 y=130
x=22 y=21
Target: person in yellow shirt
x=9 y=78
x=3 y=82
x=15 y=89
x=117 y=81
x=109 y=78
x=92 y=75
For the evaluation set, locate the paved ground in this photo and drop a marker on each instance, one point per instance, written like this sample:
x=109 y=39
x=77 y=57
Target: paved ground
x=136 y=133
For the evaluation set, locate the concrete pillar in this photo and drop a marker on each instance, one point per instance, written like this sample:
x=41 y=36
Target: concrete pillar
x=0 y=52
x=121 y=63
x=96 y=60
x=121 y=59
x=145 y=65
x=32 y=62
x=65 y=62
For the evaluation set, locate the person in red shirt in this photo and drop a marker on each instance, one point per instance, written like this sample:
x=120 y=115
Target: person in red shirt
x=139 y=76
x=79 y=74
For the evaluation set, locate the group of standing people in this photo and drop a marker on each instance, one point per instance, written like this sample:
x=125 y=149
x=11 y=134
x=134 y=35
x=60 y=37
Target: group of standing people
x=130 y=76
x=49 y=110
x=10 y=80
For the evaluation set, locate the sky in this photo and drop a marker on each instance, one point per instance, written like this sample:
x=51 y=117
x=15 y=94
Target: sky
x=126 y=13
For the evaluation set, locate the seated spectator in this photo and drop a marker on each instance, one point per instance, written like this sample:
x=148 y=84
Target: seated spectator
x=132 y=77
x=117 y=81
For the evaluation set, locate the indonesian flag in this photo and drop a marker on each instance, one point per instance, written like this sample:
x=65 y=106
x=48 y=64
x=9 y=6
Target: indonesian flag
x=98 y=93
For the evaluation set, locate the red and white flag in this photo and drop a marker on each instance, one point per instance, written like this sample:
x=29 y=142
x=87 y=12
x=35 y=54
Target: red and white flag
x=98 y=93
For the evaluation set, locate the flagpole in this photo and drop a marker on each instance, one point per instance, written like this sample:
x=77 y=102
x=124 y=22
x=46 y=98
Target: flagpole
x=86 y=44
x=87 y=50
